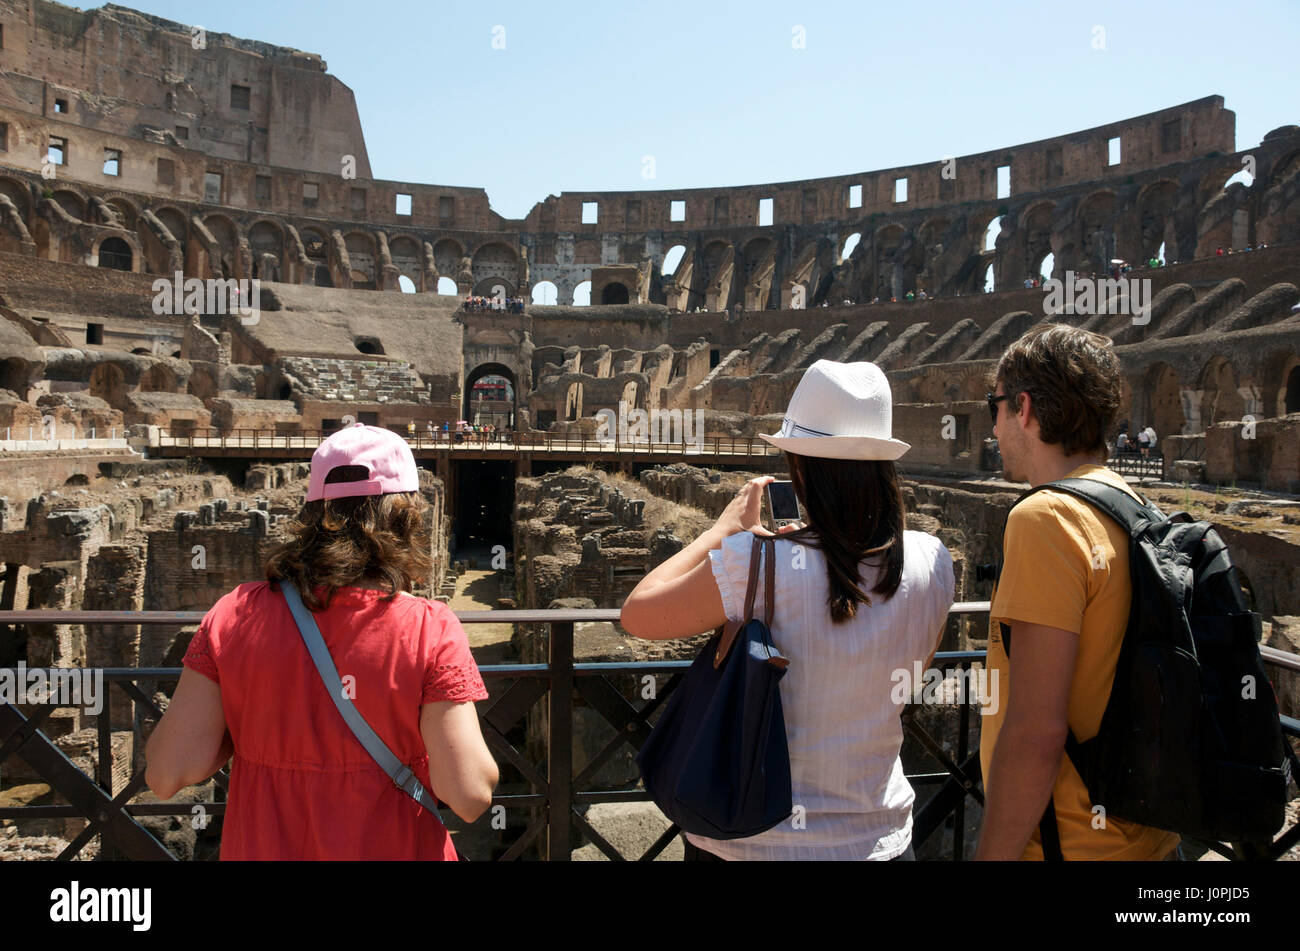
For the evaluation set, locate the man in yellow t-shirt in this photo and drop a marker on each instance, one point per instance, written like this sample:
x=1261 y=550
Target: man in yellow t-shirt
x=1063 y=595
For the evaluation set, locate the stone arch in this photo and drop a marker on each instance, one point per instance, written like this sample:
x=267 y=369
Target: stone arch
x=126 y=210
x=752 y=255
x=202 y=385
x=711 y=260
x=159 y=378
x=492 y=370
x=226 y=235
x=70 y=201
x=362 y=255
x=13 y=375
x=266 y=237
x=1095 y=229
x=488 y=287
x=888 y=268
x=1162 y=401
x=1035 y=235
x=18 y=193
x=115 y=253
x=615 y=292
x=545 y=292
x=672 y=259
x=1289 y=398
x=447 y=286
x=109 y=384
x=1220 y=401
x=175 y=221
x=408 y=259
x=495 y=259
x=1155 y=208
x=447 y=253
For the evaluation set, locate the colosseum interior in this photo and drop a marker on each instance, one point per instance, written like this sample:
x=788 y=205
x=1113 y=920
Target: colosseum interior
x=155 y=442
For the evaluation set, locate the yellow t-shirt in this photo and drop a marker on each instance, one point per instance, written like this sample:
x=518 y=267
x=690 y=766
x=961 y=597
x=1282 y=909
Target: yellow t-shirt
x=1066 y=565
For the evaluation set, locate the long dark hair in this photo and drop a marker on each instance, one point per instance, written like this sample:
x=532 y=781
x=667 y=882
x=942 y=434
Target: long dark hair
x=855 y=512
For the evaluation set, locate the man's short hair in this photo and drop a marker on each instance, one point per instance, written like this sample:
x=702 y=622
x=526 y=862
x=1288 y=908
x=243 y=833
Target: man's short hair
x=1075 y=380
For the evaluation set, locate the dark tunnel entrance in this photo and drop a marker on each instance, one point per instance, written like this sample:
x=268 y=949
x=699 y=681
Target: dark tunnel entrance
x=485 y=501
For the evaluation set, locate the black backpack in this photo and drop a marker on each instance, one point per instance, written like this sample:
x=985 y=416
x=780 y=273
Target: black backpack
x=1190 y=740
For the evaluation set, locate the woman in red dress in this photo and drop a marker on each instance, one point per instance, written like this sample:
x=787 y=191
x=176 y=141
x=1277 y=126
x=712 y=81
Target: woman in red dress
x=301 y=785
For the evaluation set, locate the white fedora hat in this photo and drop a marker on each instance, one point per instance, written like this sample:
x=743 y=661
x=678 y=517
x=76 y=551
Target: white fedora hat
x=840 y=411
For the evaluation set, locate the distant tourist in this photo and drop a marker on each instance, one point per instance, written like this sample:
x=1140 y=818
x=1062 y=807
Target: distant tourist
x=302 y=786
x=1150 y=433
x=856 y=599
x=1056 y=392
x=1144 y=442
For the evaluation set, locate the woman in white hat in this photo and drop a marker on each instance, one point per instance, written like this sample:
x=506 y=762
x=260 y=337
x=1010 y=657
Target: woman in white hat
x=857 y=599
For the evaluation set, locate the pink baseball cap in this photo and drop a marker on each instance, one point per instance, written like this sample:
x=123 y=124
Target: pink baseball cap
x=384 y=454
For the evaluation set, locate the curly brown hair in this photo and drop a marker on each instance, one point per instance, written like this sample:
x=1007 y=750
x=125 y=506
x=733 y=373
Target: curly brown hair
x=342 y=542
x=1074 y=378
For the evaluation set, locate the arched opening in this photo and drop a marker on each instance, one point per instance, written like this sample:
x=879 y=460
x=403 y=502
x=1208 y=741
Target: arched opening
x=991 y=234
x=614 y=293
x=546 y=293
x=1160 y=253
x=115 y=253
x=1046 y=266
x=13 y=376
x=1164 y=411
x=850 y=245
x=79 y=478
x=406 y=285
x=490 y=396
x=989 y=283
x=108 y=383
x=369 y=345
x=582 y=294
x=672 y=259
x=1244 y=177
x=447 y=287
x=158 y=379
x=1293 y=390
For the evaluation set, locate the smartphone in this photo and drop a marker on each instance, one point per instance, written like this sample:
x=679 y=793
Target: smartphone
x=783 y=502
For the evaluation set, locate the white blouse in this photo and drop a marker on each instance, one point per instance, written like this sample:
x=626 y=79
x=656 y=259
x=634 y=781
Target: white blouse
x=842 y=724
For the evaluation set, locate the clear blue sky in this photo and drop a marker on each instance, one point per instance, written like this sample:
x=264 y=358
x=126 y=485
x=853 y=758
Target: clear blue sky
x=717 y=93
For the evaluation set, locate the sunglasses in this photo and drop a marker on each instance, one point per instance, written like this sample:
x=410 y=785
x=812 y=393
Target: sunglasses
x=993 y=404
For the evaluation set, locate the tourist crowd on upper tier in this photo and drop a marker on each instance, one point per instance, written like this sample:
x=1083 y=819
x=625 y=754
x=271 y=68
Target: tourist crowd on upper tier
x=783 y=739
x=508 y=305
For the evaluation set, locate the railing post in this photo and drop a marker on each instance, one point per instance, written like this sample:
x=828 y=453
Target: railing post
x=104 y=734
x=559 y=767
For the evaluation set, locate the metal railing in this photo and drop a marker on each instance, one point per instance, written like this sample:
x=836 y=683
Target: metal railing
x=506 y=443
x=1136 y=464
x=556 y=797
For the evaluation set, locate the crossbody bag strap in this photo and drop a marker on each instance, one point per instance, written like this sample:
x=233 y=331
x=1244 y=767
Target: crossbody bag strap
x=732 y=628
x=403 y=776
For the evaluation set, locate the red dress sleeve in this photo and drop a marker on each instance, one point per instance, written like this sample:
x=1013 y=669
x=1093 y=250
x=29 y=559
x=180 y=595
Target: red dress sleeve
x=450 y=673
x=198 y=656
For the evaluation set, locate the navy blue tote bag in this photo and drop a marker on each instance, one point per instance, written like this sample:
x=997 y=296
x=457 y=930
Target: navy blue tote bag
x=717 y=762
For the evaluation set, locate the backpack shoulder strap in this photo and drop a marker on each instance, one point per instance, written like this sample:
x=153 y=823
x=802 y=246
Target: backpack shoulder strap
x=403 y=776
x=1114 y=501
